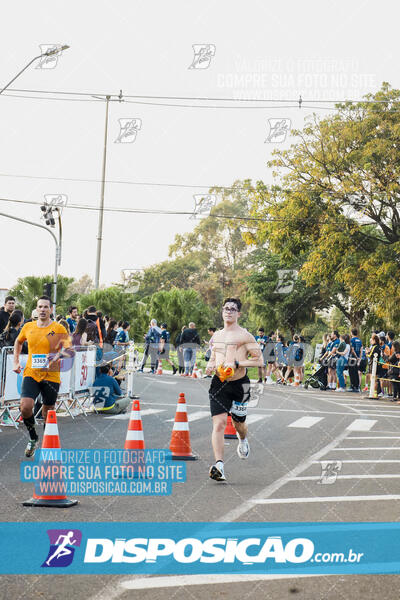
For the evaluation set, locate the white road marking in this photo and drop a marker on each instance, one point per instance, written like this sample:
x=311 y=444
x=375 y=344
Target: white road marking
x=195 y=416
x=373 y=437
x=325 y=499
x=305 y=422
x=302 y=411
x=373 y=448
x=256 y=417
x=247 y=505
x=361 y=425
x=186 y=580
x=355 y=476
x=153 y=379
x=374 y=460
x=143 y=413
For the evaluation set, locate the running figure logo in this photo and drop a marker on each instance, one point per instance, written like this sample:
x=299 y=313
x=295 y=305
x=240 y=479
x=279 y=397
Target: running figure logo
x=128 y=129
x=62 y=547
x=278 y=130
x=203 y=204
x=203 y=53
x=330 y=471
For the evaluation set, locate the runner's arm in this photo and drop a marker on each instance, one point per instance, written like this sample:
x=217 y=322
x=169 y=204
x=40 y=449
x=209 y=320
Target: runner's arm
x=256 y=357
x=17 y=352
x=211 y=365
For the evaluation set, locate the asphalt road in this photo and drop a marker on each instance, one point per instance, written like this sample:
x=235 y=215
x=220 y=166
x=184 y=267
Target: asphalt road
x=294 y=434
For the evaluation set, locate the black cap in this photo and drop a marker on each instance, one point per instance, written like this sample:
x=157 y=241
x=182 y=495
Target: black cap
x=163 y=325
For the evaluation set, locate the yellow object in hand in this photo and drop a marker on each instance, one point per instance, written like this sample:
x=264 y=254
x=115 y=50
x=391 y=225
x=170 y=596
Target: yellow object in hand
x=226 y=373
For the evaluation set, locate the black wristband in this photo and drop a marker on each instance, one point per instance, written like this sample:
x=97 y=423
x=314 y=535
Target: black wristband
x=236 y=364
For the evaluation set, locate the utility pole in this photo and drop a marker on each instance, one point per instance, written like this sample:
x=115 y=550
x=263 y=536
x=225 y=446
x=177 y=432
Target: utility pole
x=101 y=211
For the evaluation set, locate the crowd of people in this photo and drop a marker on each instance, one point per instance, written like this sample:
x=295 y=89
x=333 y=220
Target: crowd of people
x=342 y=357
x=343 y=360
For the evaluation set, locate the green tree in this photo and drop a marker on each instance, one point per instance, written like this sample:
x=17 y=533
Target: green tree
x=177 y=308
x=335 y=205
x=277 y=299
x=28 y=289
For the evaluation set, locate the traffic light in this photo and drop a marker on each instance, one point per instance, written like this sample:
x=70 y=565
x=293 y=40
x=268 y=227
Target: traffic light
x=47 y=289
x=48 y=215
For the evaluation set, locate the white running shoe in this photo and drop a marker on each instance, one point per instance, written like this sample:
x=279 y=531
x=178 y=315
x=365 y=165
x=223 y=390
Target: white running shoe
x=341 y=390
x=243 y=448
x=31 y=448
x=217 y=473
x=269 y=381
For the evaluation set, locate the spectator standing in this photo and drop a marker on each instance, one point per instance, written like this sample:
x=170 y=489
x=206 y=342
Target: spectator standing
x=122 y=338
x=342 y=353
x=163 y=353
x=102 y=325
x=191 y=343
x=11 y=331
x=6 y=311
x=356 y=348
x=384 y=363
x=79 y=337
x=111 y=333
x=72 y=320
x=374 y=349
x=394 y=371
x=179 y=351
x=331 y=358
x=261 y=340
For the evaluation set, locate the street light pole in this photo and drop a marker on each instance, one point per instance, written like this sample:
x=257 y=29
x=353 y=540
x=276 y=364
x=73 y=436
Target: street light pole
x=101 y=211
x=58 y=249
x=48 y=53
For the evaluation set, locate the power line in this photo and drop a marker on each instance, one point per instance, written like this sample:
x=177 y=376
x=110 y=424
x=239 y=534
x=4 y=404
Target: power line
x=143 y=183
x=171 y=212
x=201 y=98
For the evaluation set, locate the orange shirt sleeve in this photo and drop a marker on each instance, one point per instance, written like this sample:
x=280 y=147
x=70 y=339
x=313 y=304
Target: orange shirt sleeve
x=22 y=334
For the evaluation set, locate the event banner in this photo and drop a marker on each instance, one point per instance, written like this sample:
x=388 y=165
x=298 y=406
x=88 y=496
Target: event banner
x=192 y=548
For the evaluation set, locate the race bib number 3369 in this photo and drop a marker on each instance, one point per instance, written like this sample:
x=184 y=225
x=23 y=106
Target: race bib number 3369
x=40 y=361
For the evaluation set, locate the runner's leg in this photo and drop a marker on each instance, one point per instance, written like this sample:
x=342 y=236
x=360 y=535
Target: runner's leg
x=217 y=437
x=26 y=408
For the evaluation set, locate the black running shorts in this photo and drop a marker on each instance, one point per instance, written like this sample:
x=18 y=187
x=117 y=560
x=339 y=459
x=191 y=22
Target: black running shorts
x=32 y=388
x=230 y=397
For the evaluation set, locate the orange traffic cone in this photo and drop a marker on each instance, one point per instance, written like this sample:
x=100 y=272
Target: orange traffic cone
x=230 y=431
x=134 y=436
x=194 y=374
x=180 y=438
x=134 y=441
x=51 y=440
x=159 y=370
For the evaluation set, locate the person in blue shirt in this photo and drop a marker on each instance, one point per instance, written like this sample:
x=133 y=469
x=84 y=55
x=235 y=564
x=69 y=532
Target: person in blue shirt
x=73 y=318
x=108 y=398
x=262 y=340
x=356 y=348
x=163 y=353
x=329 y=359
x=152 y=340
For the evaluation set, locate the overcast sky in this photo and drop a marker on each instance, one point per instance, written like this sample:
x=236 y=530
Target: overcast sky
x=265 y=50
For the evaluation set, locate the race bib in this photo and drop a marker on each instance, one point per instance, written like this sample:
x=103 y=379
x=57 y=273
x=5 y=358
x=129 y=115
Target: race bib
x=40 y=361
x=239 y=408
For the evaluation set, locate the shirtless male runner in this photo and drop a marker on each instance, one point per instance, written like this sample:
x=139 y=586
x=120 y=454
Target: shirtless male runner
x=235 y=347
x=48 y=342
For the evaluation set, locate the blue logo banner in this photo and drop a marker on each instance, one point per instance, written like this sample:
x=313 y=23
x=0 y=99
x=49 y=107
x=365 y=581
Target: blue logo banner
x=192 y=548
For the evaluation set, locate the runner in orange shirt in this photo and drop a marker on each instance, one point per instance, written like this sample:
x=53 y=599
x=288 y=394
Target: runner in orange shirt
x=48 y=342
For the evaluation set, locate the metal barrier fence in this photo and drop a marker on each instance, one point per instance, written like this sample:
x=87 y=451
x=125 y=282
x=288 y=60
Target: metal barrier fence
x=77 y=376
